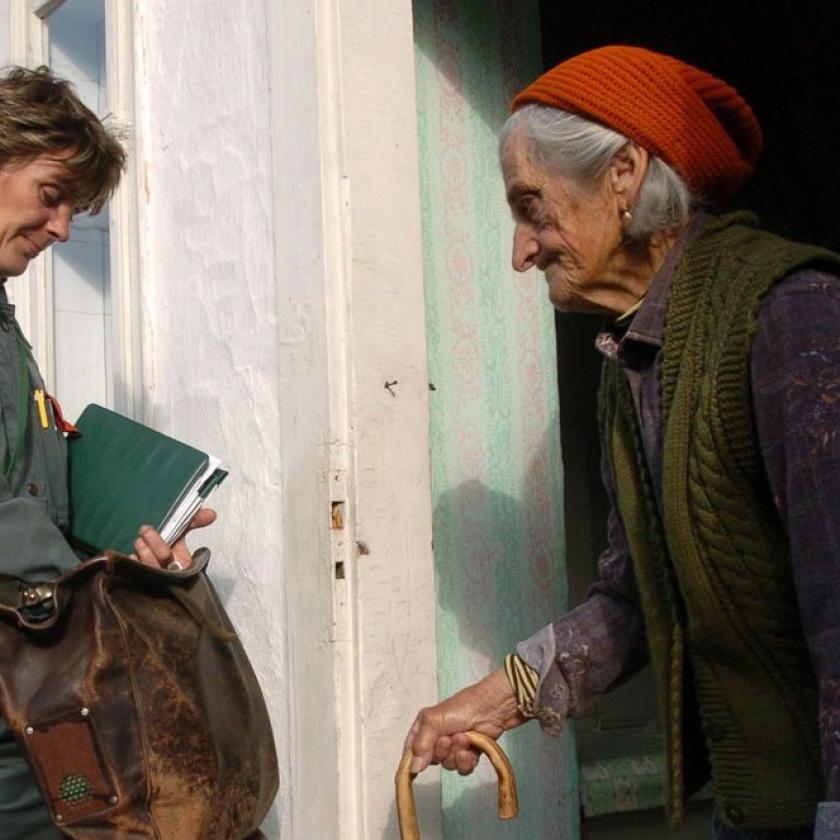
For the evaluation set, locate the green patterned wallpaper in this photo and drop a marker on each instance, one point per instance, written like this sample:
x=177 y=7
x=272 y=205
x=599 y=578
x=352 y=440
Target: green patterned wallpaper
x=496 y=467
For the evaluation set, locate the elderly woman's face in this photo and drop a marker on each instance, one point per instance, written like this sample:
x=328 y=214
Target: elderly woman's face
x=35 y=211
x=571 y=234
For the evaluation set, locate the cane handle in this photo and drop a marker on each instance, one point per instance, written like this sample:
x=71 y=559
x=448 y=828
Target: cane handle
x=508 y=803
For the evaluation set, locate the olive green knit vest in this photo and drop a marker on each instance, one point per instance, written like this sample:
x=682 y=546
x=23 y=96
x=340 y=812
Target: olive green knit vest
x=713 y=571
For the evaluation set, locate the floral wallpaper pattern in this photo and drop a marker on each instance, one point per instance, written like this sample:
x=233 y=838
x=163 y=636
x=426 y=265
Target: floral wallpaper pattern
x=496 y=465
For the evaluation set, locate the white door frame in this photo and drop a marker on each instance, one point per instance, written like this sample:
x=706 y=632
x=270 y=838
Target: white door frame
x=348 y=85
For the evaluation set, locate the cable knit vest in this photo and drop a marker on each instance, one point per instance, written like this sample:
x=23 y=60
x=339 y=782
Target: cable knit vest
x=713 y=570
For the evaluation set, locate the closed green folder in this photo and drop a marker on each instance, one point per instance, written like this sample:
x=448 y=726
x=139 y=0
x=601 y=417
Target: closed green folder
x=124 y=475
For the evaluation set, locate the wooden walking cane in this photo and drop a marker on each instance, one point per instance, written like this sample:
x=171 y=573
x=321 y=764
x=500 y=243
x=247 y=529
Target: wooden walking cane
x=508 y=803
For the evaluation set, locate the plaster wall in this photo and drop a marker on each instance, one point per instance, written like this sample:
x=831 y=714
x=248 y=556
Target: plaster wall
x=281 y=290
x=213 y=336
x=5 y=47
x=275 y=248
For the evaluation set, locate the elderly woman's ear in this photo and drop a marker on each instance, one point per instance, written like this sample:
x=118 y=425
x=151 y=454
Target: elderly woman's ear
x=627 y=172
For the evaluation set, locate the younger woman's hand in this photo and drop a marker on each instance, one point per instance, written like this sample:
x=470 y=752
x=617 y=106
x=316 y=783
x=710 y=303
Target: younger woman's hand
x=153 y=551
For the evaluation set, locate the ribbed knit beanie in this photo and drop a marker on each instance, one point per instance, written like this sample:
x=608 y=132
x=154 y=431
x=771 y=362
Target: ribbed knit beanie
x=696 y=123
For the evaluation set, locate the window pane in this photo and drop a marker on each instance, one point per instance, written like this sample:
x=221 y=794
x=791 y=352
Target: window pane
x=77 y=49
x=81 y=267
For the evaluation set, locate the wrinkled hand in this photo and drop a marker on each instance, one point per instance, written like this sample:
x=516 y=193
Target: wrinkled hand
x=150 y=548
x=438 y=734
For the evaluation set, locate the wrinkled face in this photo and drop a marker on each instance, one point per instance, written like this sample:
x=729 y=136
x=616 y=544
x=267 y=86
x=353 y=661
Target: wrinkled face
x=570 y=232
x=35 y=211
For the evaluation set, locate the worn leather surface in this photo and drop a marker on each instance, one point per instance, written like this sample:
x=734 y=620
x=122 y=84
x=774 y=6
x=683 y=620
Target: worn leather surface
x=146 y=662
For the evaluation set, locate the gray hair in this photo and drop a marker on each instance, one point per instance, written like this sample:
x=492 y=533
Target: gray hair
x=583 y=150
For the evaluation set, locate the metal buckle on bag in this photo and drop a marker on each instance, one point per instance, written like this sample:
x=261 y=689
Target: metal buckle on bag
x=37 y=601
x=32 y=596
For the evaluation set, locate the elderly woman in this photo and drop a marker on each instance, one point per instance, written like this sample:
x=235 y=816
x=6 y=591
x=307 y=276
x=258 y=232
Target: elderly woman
x=56 y=159
x=720 y=422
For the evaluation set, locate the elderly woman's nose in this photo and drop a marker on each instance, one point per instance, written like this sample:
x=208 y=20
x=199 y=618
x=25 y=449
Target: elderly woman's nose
x=525 y=248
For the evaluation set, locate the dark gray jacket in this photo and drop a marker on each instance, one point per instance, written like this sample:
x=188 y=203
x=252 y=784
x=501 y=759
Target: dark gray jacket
x=33 y=517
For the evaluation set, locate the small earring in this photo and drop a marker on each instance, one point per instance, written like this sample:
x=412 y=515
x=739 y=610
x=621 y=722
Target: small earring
x=626 y=218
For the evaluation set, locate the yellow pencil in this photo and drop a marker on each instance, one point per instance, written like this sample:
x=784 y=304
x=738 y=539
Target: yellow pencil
x=42 y=408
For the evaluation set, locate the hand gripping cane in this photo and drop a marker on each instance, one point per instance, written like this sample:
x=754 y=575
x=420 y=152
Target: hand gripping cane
x=508 y=804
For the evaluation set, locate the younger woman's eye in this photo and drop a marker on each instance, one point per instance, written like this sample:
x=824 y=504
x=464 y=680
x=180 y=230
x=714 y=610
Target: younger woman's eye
x=50 y=196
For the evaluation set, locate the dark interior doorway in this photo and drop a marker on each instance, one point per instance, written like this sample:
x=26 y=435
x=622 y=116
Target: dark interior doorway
x=784 y=59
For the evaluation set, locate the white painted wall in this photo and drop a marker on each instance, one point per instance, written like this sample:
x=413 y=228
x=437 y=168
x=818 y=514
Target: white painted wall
x=282 y=287
x=5 y=20
x=276 y=245
x=210 y=303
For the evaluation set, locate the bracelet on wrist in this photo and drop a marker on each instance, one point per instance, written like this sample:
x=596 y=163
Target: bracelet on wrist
x=523 y=680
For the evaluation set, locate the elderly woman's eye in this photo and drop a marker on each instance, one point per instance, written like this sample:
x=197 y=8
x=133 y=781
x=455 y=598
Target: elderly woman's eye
x=525 y=207
x=530 y=210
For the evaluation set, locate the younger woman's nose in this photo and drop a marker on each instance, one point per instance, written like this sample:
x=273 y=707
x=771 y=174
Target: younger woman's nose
x=58 y=227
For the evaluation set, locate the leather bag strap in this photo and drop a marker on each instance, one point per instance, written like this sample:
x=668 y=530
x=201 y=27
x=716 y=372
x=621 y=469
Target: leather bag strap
x=17 y=595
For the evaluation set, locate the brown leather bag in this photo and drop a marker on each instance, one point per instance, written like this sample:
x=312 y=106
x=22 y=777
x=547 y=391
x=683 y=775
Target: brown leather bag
x=136 y=704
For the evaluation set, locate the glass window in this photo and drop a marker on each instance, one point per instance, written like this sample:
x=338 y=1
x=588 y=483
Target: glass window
x=82 y=324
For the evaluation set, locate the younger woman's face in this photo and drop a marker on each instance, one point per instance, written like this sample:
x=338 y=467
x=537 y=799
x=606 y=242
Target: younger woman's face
x=36 y=209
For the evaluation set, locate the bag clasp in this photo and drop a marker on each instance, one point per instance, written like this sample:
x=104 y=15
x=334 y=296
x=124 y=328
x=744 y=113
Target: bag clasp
x=37 y=601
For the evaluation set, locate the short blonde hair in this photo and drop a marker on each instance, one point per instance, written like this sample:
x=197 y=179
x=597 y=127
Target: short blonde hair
x=41 y=114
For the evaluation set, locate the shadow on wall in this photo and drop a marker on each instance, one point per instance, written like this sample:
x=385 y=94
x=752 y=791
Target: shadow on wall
x=479 y=584
x=224 y=584
x=271 y=824
x=500 y=577
x=426 y=799
x=499 y=558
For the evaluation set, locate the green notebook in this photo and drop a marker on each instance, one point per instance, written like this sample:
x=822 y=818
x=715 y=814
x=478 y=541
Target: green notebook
x=124 y=475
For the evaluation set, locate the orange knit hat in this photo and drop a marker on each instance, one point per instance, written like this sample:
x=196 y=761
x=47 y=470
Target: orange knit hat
x=696 y=123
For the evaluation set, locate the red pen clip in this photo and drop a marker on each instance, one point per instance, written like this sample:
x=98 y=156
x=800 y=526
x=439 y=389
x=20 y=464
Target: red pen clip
x=63 y=425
